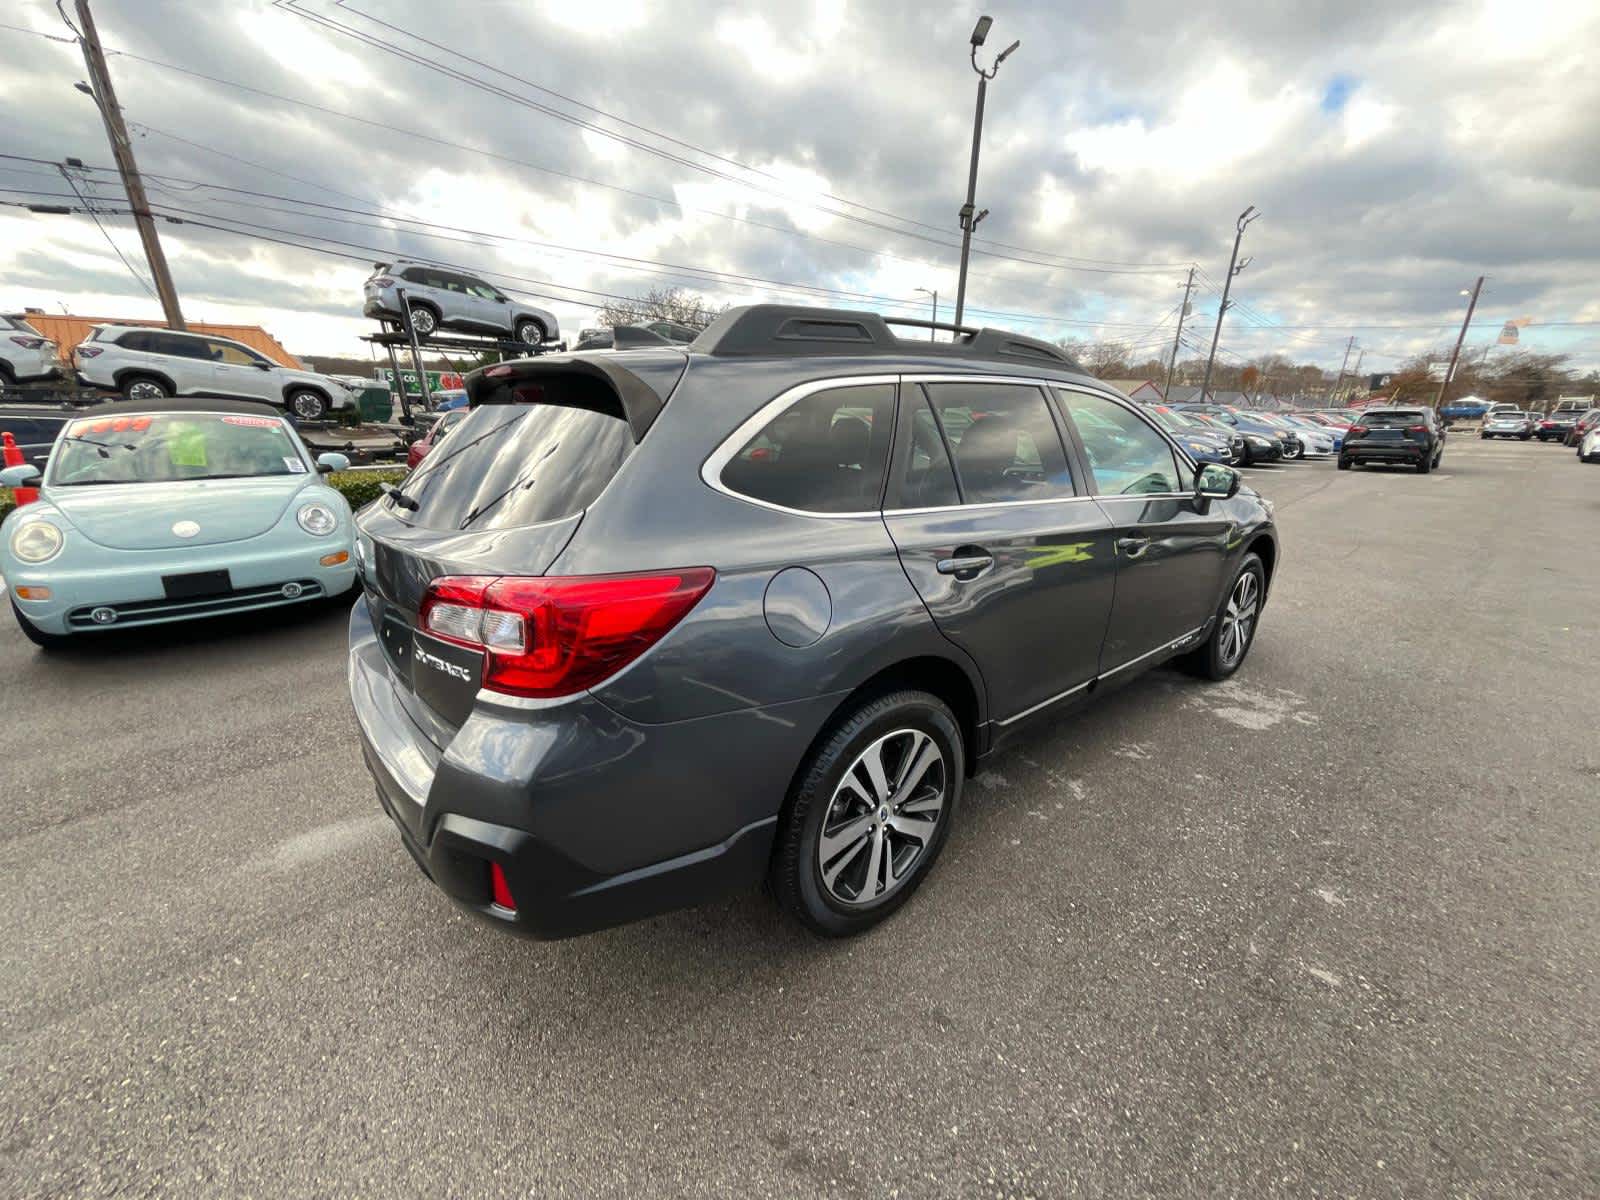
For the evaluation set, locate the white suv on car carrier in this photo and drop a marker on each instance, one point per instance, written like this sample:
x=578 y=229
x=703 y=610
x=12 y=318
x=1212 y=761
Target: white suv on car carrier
x=146 y=364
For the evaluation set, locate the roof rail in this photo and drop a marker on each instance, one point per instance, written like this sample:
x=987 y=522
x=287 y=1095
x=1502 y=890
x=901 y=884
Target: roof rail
x=781 y=330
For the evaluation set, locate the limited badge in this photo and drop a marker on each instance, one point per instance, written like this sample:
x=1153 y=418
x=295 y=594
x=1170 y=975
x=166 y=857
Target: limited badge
x=185 y=529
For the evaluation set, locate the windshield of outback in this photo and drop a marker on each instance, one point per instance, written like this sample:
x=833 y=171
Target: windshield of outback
x=172 y=447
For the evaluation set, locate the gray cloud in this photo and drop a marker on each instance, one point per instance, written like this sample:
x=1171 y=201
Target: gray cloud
x=1478 y=160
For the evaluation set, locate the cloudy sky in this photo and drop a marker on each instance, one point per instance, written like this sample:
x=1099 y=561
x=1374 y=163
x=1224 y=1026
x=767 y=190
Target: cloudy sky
x=817 y=152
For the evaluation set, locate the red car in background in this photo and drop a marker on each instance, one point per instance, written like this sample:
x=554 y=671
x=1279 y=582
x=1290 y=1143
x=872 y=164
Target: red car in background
x=420 y=448
x=1332 y=420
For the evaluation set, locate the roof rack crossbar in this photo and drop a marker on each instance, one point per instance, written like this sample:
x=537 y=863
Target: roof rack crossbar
x=949 y=326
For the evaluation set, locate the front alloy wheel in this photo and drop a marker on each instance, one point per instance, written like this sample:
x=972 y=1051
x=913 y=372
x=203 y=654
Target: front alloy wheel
x=1234 y=628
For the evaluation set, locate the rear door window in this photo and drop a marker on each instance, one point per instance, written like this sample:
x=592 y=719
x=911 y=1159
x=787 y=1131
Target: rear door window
x=537 y=451
x=826 y=453
x=1005 y=444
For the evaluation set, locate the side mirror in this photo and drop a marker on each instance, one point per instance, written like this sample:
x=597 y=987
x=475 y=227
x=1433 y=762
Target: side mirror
x=262 y=366
x=328 y=463
x=502 y=300
x=21 y=475
x=1213 y=481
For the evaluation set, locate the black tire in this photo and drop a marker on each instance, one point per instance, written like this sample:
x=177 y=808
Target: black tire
x=143 y=385
x=530 y=332
x=423 y=319
x=1208 y=660
x=1344 y=463
x=1424 y=465
x=41 y=639
x=1524 y=436
x=796 y=876
x=306 y=405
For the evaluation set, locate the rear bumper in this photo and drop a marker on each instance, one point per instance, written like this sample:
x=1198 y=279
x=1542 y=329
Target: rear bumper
x=595 y=820
x=1409 y=452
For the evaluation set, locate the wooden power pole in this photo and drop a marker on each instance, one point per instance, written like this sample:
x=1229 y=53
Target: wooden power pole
x=122 y=151
x=1450 y=371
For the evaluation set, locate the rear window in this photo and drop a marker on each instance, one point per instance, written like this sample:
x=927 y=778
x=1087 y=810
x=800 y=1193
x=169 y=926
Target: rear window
x=537 y=451
x=825 y=453
x=1413 y=417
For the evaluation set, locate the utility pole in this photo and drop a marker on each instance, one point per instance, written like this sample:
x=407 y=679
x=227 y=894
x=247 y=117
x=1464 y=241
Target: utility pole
x=933 y=334
x=1343 y=363
x=969 y=216
x=1183 y=311
x=1438 y=400
x=122 y=150
x=1234 y=267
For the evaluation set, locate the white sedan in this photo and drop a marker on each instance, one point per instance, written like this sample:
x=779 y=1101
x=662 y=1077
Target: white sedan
x=1589 y=448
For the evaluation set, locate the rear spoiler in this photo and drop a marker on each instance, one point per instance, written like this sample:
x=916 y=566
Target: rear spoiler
x=642 y=386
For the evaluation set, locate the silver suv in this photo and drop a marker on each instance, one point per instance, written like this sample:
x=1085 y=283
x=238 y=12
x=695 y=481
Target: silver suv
x=25 y=355
x=147 y=364
x=444 y=298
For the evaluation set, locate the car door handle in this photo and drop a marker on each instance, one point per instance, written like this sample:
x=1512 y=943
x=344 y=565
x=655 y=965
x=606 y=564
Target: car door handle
x=1133 y=547
x=966 y=566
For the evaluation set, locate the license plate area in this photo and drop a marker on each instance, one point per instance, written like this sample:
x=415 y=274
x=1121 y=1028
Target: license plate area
x=445 y=677
x=196 y=584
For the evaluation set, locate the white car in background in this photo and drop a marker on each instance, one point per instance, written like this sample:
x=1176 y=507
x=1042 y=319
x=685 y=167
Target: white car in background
x=26 y=356
x=147 y=364
x=1589 y=448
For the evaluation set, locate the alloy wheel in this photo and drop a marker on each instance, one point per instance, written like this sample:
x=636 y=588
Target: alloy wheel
x=1239 y=618
x=422 y=320
x=146 y=389
x=882 y=818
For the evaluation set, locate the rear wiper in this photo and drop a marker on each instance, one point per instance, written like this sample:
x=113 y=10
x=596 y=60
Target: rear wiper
x=399 y=497
x=526 y=479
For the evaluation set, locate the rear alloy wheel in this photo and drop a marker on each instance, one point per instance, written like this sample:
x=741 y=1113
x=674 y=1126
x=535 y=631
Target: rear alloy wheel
x=869 y=813
x=145 y=388
x=423 y=320
x=530 y=332
x=307 y=405
x=1234 y=630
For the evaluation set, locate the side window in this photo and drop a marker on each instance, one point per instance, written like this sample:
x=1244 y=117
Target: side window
x=184 y=346
x=136 y=341
x=418 y=275
x=825 y=453
x=923 y=476
x=227 y=352
x=1128 y=457
x=483 y=290
x=1005 y=443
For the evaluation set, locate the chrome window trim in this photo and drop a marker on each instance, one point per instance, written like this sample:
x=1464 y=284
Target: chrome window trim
x=711 y=470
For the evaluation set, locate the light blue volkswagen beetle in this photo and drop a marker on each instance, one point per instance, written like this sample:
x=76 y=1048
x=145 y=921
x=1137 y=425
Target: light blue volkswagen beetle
x=166 y=510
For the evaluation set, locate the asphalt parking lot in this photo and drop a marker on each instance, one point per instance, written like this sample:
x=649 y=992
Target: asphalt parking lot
x=1330 y=928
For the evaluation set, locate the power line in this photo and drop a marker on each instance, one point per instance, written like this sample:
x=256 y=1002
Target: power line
x=105 y=233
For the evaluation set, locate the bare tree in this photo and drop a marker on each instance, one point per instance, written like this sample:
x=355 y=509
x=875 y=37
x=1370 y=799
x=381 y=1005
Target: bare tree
x=661 y=304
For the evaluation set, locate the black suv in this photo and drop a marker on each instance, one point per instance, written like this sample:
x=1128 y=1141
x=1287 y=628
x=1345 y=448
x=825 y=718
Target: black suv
x=1410 y=436
x=656 y=624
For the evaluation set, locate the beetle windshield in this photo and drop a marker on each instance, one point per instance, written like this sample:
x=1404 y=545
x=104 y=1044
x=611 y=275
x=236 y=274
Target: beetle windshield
x=172 y=447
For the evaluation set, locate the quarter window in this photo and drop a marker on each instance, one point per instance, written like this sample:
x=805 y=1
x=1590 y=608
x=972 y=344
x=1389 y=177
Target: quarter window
x=925 y=477
x=1127 y=456
x=227 y=352
x=1005 y=443
x=825 y=453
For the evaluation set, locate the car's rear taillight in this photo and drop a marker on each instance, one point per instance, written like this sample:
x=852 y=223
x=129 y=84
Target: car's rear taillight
x=555 y=636
x=29 y=343
x=87 y=351
x=1356 y=429
x=1416 y=429
x=382 y=282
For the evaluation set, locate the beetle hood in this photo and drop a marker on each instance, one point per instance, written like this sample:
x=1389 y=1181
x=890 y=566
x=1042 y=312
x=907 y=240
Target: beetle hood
x=165 y=516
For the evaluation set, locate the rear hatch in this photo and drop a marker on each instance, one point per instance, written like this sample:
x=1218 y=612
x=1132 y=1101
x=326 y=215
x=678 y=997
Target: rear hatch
x=1391 y=428
x=503 y=495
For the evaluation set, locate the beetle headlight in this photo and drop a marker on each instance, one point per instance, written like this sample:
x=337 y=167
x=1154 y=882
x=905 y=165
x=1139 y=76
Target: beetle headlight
x=317 y=518
x=36 y=542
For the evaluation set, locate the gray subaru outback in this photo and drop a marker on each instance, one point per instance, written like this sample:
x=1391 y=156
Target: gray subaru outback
x=656 y=625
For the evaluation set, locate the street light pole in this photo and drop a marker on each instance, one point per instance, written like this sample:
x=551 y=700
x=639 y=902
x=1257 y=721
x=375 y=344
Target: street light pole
x=969 y=214
x=933 y=334
x=1234 y=267
x=122 y=152
x=1455 y=354
x=1183 y=311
